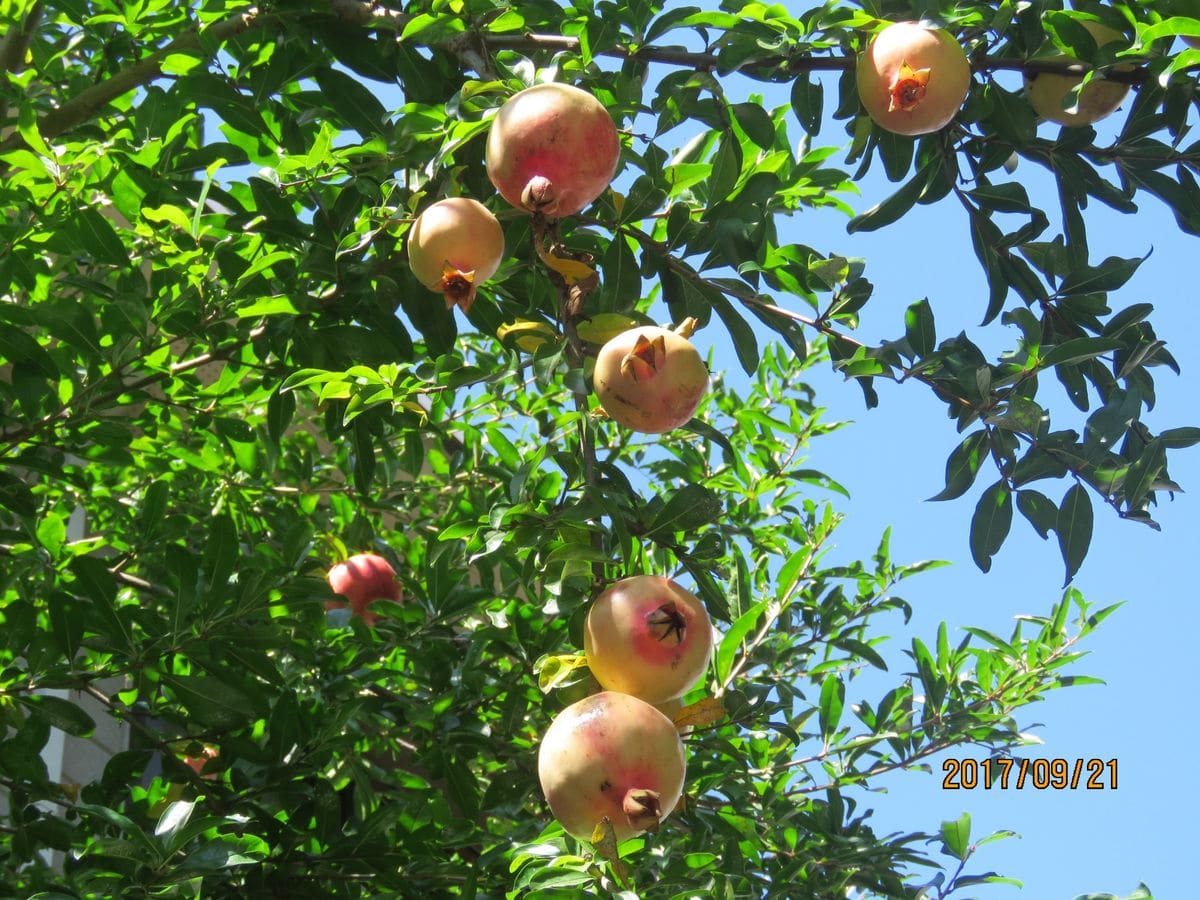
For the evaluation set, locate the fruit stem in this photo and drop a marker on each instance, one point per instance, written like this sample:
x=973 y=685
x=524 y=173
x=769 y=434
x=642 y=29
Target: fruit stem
x=642 y=808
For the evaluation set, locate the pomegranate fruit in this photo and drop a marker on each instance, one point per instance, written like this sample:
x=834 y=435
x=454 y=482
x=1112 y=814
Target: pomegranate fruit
x=361 y=579
x=454 y=246
x=650 y=379
x=1099 y=98
x=647 y=636
x=913 y=78
x=611 y=755
x=552 y=149
x=197 y=763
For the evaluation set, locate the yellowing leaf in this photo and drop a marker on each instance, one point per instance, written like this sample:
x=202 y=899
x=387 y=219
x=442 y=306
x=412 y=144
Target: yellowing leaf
x=569 y=269
x=700 y=714
x=527 y=335
x=555 y=671
x=603 y=327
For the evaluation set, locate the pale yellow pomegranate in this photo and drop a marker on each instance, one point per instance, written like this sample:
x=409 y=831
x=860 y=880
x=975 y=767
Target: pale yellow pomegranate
x=454 y=246
x=913 y=78
x=647 y=636
x=1047 y=91
x=650 y=379
x=611 y=756
x=552 y=149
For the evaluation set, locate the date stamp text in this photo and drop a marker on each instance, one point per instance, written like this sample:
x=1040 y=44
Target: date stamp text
x=1005 y=772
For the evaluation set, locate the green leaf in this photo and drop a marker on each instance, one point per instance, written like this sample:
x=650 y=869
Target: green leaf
x=60 y=713
x=210 y=701
x=956 y=836
x=919 y=328
x=357 y=106
x=963 y=465
x=1077 y=350
x=990 y=524
x=894 y=207
x=220 y=554
x=1178 y=438
x=1039 y=510
x=688 y=509
x=756 y=122
x=744 y=342
x=732 y=641
x=833 y=696
x=100 y=238
x=1074 y=528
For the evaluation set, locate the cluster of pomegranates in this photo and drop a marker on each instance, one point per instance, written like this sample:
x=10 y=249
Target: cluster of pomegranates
x=913 y=78
x=616 y=756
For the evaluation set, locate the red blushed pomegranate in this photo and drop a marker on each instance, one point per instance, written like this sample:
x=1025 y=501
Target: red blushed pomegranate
x=611 y=755
x=361 y=579
x=650 y=379
x=454 y=246
x=913 y=79
x=648 y=637
x=552 y=149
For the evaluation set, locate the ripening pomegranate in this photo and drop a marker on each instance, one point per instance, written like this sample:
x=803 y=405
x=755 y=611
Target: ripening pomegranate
x=650 y=379
x=361 y=579
x=913 y=78
x=197 y=763
x=647 y=636
x=552 y=149
x=454 y=246
x=611 y=755
x=1099 y=98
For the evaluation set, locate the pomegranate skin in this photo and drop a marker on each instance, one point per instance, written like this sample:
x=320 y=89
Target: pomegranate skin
x=647 y=636
x=552 y=149
x=454 y=246
x=361 y=579
x=912 y=79
x=605 y=752
x=1100 y=98
x=650 y=379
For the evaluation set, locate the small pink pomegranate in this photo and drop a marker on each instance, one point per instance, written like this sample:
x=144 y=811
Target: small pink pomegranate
x=648 y=637
x=611 y=756
x=361 y=579
x=650 y=379
x=552 y=149
x=454 y=246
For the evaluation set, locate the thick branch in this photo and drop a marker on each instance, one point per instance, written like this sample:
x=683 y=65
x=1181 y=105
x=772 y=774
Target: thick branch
x=14 y=45
x=88 y=103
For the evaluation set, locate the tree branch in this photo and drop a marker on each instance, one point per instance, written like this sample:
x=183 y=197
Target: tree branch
x=82 y=107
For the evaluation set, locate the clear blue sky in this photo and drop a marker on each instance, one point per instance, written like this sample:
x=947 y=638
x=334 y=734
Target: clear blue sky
x=893 y=457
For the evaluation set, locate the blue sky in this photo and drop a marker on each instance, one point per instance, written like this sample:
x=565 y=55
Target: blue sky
x=893 y=457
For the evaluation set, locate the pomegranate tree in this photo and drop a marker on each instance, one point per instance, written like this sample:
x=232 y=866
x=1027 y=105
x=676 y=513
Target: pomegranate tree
x=650 y=379
x=454 y=246
x=361 y=579
x=1048 y=91
x=913 y=78
x=647 y=636
x=611 y=756
x=552 y=149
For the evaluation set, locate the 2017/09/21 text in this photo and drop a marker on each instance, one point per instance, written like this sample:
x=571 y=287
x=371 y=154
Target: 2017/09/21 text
x=1006 y=772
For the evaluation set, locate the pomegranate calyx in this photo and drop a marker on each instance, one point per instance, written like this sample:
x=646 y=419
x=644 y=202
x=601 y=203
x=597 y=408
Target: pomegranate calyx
x=668 y=621
x=539 y=195
x=644 y=360
x=642 y=808
x=458 y=287
x=908 y=88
